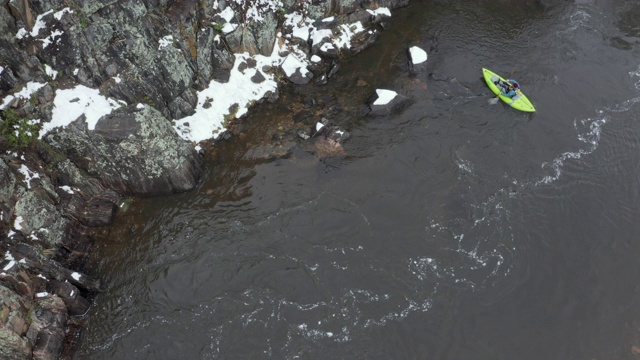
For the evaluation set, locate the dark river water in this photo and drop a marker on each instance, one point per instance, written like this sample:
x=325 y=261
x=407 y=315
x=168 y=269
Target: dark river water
x=455 y=229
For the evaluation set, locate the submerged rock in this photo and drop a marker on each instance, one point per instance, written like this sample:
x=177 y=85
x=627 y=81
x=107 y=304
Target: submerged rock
x=386 y=102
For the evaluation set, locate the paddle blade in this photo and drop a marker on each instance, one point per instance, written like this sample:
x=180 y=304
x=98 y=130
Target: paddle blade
x=494 y=100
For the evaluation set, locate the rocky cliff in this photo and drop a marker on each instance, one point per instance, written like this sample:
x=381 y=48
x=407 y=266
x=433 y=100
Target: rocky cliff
x=100 y=99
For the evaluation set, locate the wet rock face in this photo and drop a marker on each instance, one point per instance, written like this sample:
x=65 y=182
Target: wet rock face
x=132 y=151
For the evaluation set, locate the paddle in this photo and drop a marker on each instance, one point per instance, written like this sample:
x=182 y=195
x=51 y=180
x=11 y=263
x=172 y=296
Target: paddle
x=497 y=98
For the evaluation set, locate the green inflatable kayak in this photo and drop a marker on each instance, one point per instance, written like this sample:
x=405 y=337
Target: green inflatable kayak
x=518 y=102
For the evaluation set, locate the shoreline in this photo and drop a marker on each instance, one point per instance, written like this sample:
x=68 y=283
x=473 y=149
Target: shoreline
x=76 y=168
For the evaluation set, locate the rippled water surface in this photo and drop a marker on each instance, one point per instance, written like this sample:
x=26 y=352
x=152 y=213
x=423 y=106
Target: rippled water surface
x=456 y=229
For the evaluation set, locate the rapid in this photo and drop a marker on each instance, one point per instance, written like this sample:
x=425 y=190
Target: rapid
x=458 y=228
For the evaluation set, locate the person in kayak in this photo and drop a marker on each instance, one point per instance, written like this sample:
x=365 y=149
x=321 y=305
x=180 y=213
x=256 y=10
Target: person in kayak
x=513 y=89
x=509 y=88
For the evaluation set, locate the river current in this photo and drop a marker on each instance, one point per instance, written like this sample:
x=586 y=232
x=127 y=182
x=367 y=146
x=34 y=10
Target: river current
x=458 y=228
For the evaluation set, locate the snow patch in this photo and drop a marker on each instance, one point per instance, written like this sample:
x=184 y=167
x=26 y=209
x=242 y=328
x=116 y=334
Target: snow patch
x=380 y=11
x=207 y=123
x=17 y=223
x=66 y=189
x=165 y=41
x=50 y=72
x=25 y=93
x=418 y=55
x=59 y=14
x=70 y=104
x=292 y=63
x=384 y=96
x=28 y=176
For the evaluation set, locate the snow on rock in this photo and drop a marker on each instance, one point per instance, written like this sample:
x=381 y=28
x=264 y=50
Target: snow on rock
x=384 y=96
x=76 y=276
x=17 y=223
x=165 y=41
x=40 y=24
x=70 y=104
x=319 y=35
x=348 y=32
x=300 y=25
x=417 y=55
x=208 y=122
x=380 y=11
x=227 y=14
x=387 y=102
x=50 y=72
x=51 y=38
x=12 y=262
x=295 y=68
x=67 y=189
x=25 y=93
x=28 y=175
x=58 y=15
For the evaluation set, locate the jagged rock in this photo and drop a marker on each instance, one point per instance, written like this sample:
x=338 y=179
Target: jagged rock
x=132 y=151
x=319 y=9
x=338 y=134
x=83 y=197
x=37 y=263
x=46 y=332
x=7 y=79
x=13 y=326
x=386 y=103
x=295 y=70
x=7 y=185
x=75 y=304
x=39 y=217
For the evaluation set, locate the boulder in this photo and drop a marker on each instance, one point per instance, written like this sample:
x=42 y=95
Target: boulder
x=386 y=102
x=133 y=150
x=296 y=70
x=417 y=59
x=70 y=295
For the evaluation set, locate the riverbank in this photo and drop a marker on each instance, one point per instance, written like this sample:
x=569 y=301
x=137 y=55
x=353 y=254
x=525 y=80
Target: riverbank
x=104 y=100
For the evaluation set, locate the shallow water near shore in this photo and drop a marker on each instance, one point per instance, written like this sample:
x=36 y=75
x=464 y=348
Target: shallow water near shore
x=456 y=229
